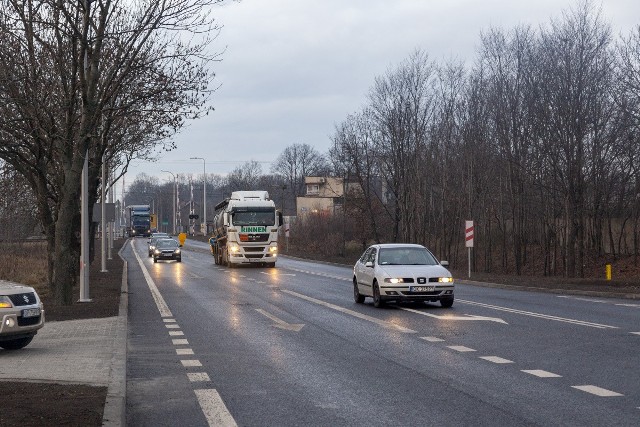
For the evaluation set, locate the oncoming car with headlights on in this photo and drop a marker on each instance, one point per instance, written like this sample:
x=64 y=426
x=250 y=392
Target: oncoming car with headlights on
x=167 y=249
x=401 y=272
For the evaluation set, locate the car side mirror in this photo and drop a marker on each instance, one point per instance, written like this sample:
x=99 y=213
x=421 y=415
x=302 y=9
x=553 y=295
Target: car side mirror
x=444 y=263
x=368 y=264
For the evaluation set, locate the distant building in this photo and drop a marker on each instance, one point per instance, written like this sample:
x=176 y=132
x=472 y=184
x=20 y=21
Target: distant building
x=323 y=195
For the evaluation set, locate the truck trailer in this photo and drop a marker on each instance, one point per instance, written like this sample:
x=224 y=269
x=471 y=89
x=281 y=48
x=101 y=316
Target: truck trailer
x=245 y=230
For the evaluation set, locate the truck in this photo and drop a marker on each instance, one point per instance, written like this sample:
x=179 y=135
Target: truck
x=139 y=220
x=245 y=230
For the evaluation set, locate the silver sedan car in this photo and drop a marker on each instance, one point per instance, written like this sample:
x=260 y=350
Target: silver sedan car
x=21 y=313
x=401 y=272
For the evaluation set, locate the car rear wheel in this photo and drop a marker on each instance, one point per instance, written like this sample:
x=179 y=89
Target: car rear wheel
x=446 y=303
x=377 y=299
x=16 y=344
x=357 y=296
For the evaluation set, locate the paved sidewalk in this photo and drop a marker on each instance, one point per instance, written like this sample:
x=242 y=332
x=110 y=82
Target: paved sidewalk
x=88 y=351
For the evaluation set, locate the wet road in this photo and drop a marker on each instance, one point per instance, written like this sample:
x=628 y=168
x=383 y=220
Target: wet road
x=209 y=345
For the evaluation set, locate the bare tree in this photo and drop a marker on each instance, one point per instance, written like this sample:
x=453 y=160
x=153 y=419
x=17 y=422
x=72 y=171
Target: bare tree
x=91 y=79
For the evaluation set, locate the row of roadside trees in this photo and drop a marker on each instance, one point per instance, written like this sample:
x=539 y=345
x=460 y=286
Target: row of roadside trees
x=538 y=142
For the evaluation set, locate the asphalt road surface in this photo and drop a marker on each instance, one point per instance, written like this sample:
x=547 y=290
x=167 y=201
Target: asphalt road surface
x=210 y=345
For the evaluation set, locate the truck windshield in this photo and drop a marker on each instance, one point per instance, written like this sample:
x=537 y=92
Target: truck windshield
x=264 y=217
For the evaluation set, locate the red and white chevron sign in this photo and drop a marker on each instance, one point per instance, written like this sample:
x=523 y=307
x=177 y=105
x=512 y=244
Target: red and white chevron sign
x=468 y=234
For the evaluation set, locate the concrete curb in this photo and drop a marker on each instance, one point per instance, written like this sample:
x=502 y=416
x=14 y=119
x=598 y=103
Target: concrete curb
x=114 y=414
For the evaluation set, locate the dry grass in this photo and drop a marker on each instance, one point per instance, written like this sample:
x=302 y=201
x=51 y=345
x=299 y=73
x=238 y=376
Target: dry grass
x=25 y=263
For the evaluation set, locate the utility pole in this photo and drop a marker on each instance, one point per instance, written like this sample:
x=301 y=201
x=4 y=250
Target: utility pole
x=174 y=201
x=204 y=192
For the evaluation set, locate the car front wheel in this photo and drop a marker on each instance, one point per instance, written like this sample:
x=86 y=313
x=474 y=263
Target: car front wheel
x=377 y=299
x=357 y=296
x=16 y=344
x=446 y=303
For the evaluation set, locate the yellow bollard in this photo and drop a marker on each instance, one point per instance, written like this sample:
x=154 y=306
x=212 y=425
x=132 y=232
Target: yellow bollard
x=608 y=271
x=181 y=238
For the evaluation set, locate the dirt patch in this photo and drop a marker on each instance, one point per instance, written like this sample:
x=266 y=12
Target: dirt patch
x=45 y=404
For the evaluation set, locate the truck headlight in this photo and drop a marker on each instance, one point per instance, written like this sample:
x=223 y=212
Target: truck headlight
x=234 y=247
x=273 y=249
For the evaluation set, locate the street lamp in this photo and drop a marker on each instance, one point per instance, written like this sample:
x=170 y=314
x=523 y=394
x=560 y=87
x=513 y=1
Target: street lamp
x=173 y=202
x=204 y=192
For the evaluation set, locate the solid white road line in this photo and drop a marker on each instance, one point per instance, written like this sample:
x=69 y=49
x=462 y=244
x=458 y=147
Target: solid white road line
x=163 y=308
x=629 y=305
x=184 y=352
x=214 y=408
x=597 y=390
x=211 y=404
x=382 y=323
x=540 y=373
x=599 y=301
x=496 y=359
x=539 y=315
x=460 y=348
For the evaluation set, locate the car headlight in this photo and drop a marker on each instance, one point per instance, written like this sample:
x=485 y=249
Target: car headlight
x=157 y=252
x=5 y=302
x=394 y=280
x=177 y=251
x=445 y=279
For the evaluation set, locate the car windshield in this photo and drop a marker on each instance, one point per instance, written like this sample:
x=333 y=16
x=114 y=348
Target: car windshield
x=406 y=256
x=261 y=217
x=166 y=244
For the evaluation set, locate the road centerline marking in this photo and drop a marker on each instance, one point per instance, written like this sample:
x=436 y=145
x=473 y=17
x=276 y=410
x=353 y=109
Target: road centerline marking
x=460 y=348
x=496 y=359
x=377 y=321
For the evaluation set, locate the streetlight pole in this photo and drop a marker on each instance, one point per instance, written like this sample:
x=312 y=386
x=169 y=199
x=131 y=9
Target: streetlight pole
x=204 y=192
x=173 y=202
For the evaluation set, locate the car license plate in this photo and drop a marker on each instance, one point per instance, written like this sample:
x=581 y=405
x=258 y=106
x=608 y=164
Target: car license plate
x=422 y=288
x=31 y=312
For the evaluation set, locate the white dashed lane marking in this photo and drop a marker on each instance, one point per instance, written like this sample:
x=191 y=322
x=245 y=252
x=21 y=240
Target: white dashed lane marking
x=184 y=352
x=172 y=326
x=169 y=320
x=540 y=373
x=432 y=339
x=180 y=341
x=496 y=359
x=460 y=348
x=215 y=411
x=198 y=377
x=602 y=392
x=176 y=333
x=190 y=363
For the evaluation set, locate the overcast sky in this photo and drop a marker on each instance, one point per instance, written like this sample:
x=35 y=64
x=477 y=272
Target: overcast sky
x=293 y=69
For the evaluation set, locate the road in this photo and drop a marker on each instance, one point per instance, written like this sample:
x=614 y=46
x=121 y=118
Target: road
x=209 y=345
